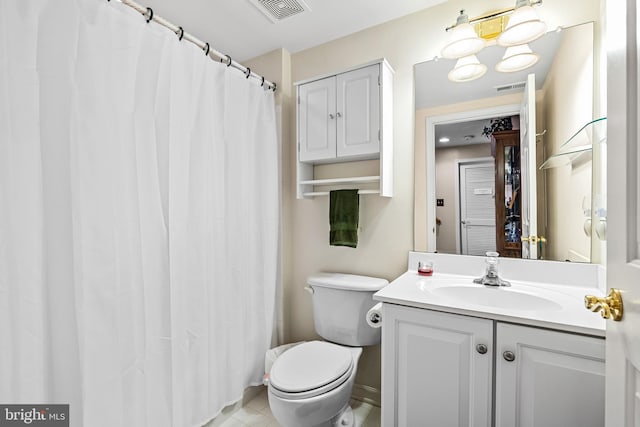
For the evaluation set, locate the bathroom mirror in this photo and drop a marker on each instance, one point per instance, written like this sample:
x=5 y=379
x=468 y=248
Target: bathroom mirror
x=458 y=177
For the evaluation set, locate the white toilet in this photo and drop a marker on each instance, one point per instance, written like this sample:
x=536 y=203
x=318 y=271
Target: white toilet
x=310 y=384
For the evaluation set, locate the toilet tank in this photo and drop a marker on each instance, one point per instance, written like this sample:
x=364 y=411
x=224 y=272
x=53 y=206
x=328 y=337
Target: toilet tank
x=340 y=305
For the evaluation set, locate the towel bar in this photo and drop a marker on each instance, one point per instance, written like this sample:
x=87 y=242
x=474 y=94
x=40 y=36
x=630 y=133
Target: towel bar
x=326 y=193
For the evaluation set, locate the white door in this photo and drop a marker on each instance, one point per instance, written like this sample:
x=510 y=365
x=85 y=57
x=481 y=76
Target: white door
x=358 y=112
x=477 y=208
x=623 y=234
x=317 y=120
x=528 y=167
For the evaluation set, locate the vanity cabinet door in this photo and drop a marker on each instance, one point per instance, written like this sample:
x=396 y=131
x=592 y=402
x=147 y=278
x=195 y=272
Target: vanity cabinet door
x=436 y=368
x=547 y=378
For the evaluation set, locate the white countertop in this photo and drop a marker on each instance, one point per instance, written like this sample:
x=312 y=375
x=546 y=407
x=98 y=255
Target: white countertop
x=556 y=305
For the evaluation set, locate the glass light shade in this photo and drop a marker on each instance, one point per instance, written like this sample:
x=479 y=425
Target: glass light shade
x=517 y=58
x=467 y=69
x=524 y=26
x=464 y=40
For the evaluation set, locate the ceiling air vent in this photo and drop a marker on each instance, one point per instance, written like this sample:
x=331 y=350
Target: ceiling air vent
x=510 y=86
x=277 y=10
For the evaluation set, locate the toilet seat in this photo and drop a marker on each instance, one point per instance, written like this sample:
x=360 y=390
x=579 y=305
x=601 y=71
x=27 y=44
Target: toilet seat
x=310 y=369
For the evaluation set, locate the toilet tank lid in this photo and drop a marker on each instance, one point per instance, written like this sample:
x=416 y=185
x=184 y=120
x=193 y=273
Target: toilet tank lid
x=351 y=282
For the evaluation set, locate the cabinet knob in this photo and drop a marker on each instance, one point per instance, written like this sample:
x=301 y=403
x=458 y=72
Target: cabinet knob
x=338 y=115
x=482 y=348
x=509 y=356
x=331 y=116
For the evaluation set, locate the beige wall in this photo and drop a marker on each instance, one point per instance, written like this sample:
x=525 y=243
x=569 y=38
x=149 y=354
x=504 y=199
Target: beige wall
x=568 y=102
x=446 y=178
x=276 y=67
x=387 y=225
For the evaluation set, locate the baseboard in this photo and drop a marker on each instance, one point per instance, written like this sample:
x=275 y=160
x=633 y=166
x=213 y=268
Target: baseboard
x=251 y=392
x=366 y=394
x=228 y=411
x=577 y=257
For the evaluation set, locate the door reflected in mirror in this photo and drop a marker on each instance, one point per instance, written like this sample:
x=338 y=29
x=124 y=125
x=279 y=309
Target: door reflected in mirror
x=485 y=143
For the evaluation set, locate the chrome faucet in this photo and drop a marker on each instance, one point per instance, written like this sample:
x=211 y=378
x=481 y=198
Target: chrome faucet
x=490 y=277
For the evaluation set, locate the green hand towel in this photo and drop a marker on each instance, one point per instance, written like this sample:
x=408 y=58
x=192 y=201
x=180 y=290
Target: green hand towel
x=343 y=217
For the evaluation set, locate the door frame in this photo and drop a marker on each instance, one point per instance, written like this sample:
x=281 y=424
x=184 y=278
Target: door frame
x=458 y=188
x=430 y=142
x=623 y=222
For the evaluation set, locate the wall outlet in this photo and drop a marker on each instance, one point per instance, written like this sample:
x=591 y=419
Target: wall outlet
x=439 y=202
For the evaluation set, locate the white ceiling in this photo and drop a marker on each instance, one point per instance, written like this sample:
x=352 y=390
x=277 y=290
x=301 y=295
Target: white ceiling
x=462 y=133
x=239 y=29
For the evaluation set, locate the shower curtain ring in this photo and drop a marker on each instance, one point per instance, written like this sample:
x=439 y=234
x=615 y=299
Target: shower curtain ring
x=248 y=72
x=228 y=60
x=150 y=15
x=206 y=49
x=180 y=33
x=262 y=84
x=274 y=87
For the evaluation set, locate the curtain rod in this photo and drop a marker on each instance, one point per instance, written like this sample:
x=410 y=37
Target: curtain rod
x=147 y=12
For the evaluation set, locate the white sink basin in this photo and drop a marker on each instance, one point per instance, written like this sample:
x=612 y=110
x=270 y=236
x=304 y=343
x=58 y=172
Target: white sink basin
x=497 y=297
x=540 y=303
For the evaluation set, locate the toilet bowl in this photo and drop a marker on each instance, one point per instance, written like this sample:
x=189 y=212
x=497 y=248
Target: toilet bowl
x=310 y=384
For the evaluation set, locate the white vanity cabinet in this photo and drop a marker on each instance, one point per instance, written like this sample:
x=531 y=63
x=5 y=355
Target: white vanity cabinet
x=339 y=116
x=436 y=368
x=437 y=371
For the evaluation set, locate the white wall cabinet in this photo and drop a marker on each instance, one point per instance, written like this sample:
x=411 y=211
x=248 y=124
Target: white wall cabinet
x=339 y=117
x=345 y=117
x=437 y=370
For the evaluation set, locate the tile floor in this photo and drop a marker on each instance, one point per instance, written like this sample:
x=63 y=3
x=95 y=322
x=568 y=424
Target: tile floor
x=256 y=413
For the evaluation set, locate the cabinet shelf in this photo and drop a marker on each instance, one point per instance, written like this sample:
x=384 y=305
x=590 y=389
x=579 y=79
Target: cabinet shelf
x=578 y=147
x=326 y=193
x=336 y=181
x=340 y=181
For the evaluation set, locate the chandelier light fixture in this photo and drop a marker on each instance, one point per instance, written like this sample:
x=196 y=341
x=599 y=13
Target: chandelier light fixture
x=512 y=28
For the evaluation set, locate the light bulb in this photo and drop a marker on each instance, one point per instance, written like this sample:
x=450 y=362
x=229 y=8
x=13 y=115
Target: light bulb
x=524 y=26
x=467 y=69
x=517 y=58
x=464 y=40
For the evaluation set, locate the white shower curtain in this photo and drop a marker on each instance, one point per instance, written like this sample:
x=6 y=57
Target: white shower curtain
x=139 y=215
